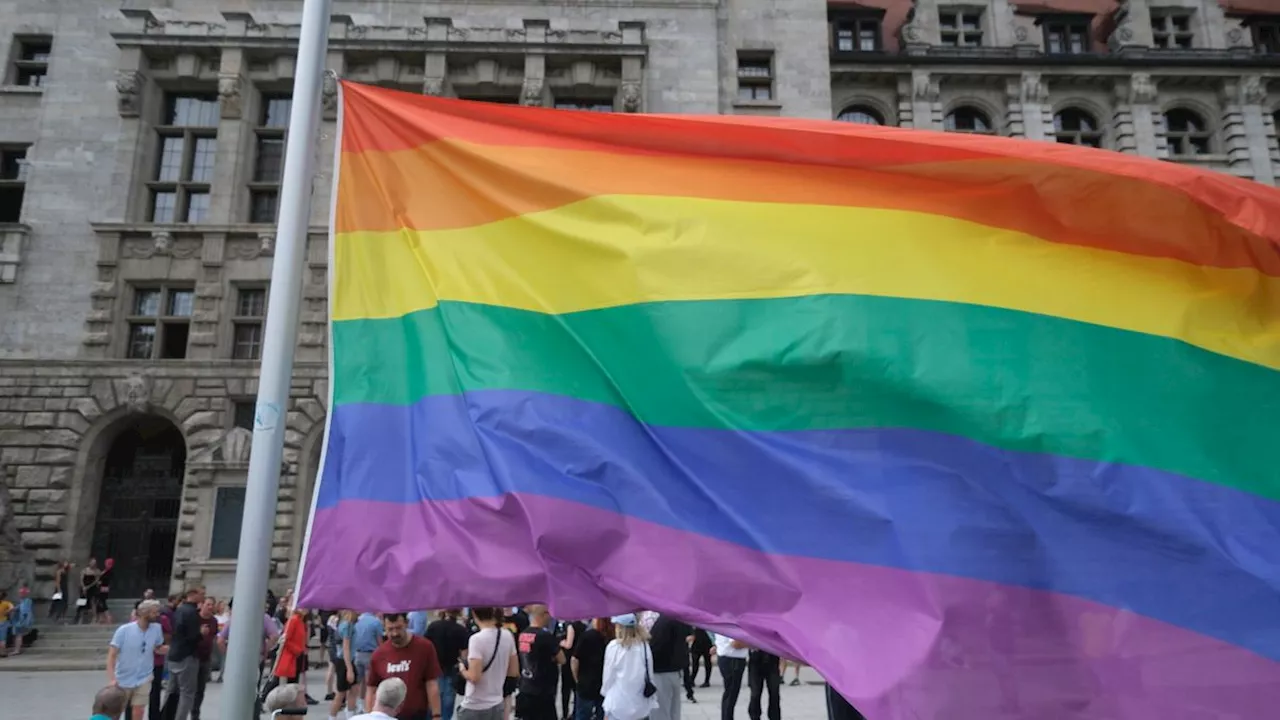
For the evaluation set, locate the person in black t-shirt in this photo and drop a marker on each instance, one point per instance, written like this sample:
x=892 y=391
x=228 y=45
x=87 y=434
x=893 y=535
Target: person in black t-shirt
x=588 y=670
x=540 y=661
x=450 y=639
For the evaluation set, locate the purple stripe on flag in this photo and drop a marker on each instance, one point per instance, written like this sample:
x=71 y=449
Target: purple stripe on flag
x=900 y=644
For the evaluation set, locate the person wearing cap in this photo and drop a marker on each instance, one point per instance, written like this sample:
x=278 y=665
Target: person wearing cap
x=628 y=672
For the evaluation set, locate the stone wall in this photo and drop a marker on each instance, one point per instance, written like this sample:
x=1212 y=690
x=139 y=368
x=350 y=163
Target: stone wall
x=55 y=419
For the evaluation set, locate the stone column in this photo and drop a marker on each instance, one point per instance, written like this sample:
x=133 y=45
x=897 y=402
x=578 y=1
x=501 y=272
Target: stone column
x=1137 y=127
x=234 y=162
x=435 y=76
x=136 y=101
x=1245 y=136
x=631 y=90
x=203 y=342
x=1027 y=115
x=534 y=90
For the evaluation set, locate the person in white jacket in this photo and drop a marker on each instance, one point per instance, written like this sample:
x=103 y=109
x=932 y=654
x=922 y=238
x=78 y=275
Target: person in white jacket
x=628 y=667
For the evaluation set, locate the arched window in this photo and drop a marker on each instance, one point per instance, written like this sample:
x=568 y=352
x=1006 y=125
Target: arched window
x=860 y=114
x=967 y=119
x=1074 y=126
x=1187 y=132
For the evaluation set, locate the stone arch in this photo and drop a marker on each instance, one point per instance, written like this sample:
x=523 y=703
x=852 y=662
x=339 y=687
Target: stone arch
x=1210 y=117
x=974 y=104
x=881 y=108
x=104 y=414
x=100 y=447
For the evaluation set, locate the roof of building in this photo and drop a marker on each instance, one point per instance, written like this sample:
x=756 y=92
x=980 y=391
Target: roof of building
x=1103 y=12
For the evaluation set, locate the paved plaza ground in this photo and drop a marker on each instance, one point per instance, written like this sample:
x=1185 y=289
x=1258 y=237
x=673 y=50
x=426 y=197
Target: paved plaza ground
x=69 y=696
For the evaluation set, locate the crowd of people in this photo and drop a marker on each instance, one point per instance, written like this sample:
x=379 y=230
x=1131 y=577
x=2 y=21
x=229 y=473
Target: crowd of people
x=479 y=664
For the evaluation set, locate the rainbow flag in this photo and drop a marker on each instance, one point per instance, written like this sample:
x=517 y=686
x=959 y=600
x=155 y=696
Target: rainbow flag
x=979 y=428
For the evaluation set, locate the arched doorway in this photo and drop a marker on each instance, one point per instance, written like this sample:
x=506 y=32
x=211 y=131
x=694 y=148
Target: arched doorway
x=138 y=505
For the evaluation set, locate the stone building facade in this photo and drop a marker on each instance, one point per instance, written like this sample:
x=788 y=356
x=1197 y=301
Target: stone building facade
x=141 y=145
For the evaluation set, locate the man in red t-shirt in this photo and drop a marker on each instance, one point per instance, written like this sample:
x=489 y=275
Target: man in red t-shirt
x=411 y=658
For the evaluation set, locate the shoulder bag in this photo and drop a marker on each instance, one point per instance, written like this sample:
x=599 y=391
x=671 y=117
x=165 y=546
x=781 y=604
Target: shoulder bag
x=649 y=687
x=460 y=683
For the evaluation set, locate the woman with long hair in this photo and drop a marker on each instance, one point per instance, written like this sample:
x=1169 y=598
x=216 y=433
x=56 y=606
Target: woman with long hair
x=61 y=591
x=627 y=687
x=101 y=610
x=87 y=605
x=342 y=664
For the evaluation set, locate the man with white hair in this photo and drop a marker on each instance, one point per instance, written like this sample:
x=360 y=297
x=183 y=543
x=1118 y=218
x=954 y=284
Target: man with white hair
x=387 y=700
x=281 y=697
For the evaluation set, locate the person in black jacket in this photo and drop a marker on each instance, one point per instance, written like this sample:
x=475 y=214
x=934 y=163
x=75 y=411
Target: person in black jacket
x=669 y=641
x=183 y=661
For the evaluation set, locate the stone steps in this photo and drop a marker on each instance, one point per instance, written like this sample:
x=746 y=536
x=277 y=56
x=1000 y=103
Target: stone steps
x=63 y=648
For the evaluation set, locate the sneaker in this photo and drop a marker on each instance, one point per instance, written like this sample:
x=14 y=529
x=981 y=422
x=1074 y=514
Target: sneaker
x=312 y=701
x=330 y=695
x=795 y=683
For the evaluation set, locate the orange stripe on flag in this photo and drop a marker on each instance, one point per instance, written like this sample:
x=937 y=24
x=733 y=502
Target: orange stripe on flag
x=454 y=184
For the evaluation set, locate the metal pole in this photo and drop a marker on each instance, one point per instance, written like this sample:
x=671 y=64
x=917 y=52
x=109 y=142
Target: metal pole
x=245 y=642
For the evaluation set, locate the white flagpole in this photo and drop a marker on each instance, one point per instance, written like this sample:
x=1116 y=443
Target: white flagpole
x=245 y=642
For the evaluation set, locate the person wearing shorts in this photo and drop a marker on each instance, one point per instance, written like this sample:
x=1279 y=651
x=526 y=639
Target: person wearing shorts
x=130 y=658
x=345 y=676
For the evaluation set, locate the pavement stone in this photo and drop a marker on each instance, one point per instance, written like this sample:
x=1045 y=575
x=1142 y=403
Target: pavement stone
x=69 y=696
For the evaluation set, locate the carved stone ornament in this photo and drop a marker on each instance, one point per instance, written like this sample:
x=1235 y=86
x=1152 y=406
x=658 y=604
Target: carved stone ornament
x=329 y=92
x=1253 y=91
x=162 y=243
x=531 y=92
x=433 y=86
x=1020 y=34
x=137 y=392
x=1124 y=33
x=230 y=89
x=1141 y=90
x=1033 y=89
x=1235 y=36
x=232 y=447
x=911 y=33
x=129 y=86
x=925 y=88
x=631 y=97
x=267 y=244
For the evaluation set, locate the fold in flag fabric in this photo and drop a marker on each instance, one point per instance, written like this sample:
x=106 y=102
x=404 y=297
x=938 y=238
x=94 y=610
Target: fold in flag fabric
x=979 y=428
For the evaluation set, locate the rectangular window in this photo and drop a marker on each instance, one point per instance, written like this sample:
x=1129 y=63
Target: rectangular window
x=159 y=323
x=583 y=104
x=1067 y=35
x=30 y=60
x=1171 y=28
x=247 y=323
x=187 y=153
x=13 y=182
x=755 y=77
x=1266 y=36
x=852 y=34
x=228 y=514
x=960 y=28
x=268 y=165
x=242 y=413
